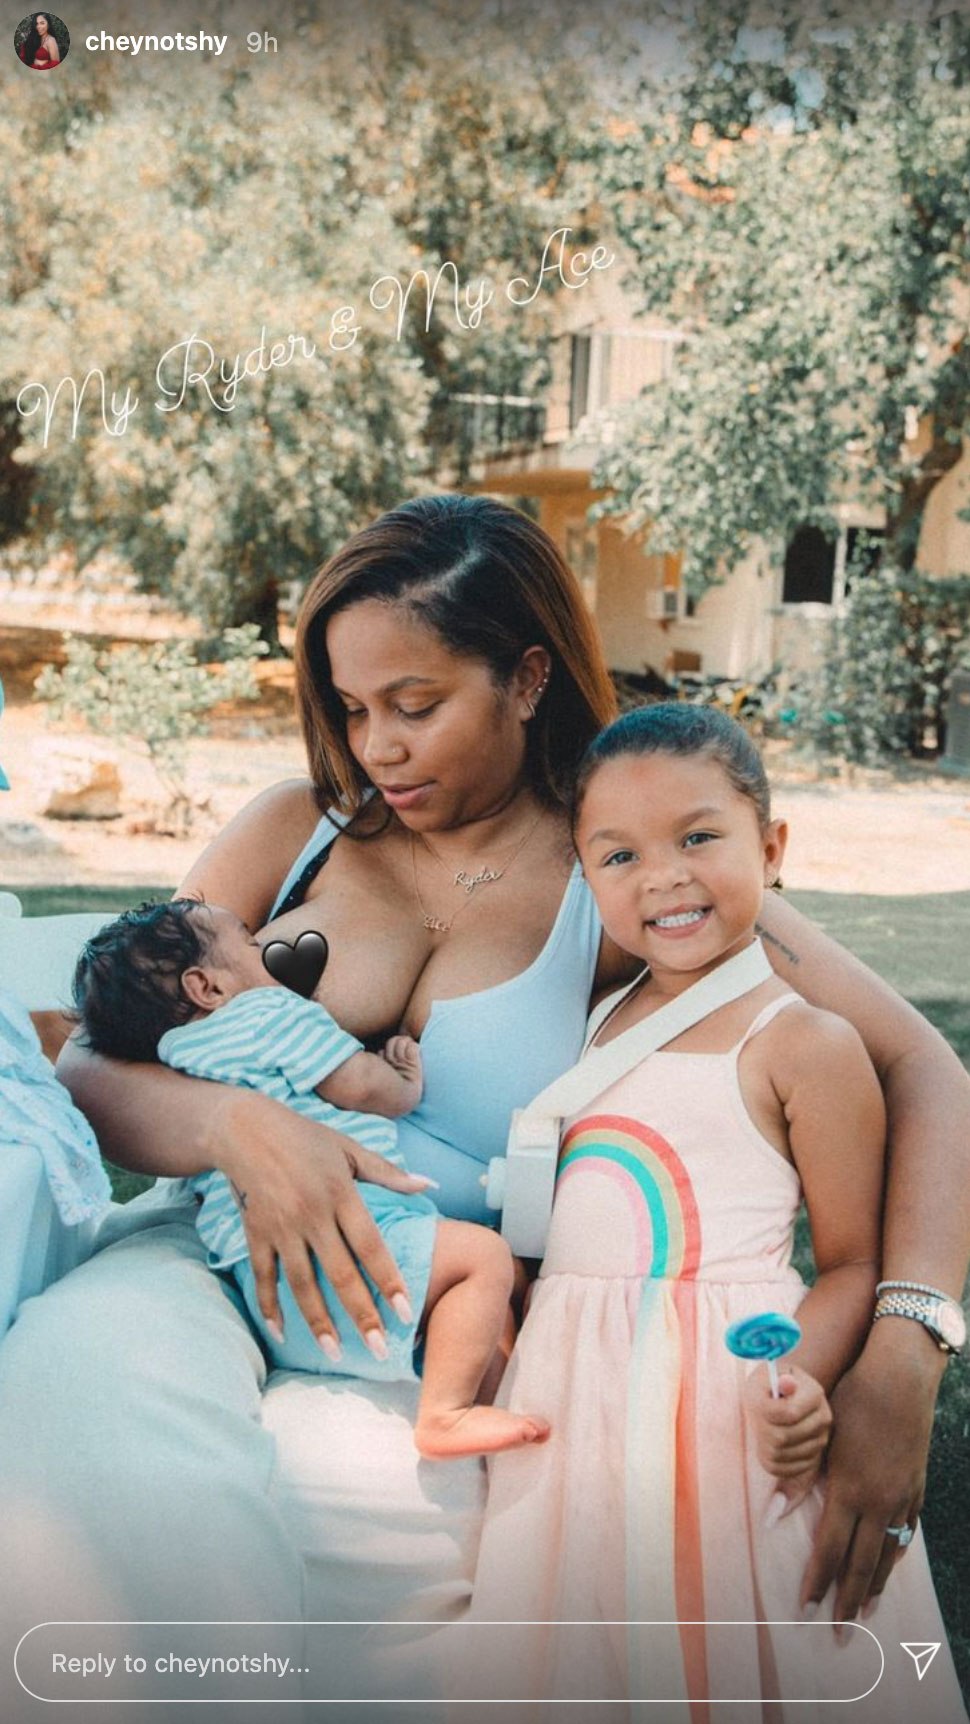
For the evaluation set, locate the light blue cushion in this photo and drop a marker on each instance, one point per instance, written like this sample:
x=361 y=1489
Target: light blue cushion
x=37 y=1112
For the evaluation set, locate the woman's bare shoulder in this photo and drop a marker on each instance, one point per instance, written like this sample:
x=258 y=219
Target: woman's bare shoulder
x=243 y=866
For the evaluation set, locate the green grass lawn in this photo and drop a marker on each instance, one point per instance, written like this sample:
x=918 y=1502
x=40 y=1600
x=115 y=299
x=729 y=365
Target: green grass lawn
x=920 y=946
x=62 y=900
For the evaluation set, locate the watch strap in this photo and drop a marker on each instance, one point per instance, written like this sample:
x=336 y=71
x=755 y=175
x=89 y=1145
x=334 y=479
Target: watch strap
x=921 y=1307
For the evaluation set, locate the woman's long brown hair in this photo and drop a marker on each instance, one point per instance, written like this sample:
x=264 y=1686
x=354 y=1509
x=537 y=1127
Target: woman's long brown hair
x=491 y=584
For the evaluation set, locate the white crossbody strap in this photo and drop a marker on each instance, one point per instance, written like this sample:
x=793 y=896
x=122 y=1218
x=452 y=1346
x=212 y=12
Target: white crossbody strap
x=602 y=1066
x=521 y=1183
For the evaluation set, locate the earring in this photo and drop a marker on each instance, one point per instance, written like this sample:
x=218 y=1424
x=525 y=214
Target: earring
x=532 y=700
x=538 y=694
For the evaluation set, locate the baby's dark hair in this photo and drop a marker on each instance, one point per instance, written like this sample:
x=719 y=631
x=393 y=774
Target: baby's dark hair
x=673 y=727
x=127 y=984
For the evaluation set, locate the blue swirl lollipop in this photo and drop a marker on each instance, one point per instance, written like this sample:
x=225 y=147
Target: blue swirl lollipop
x=768 y=1336
x=4 y=780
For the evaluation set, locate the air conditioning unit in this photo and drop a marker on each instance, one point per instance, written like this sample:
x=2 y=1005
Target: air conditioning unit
x=663 y=604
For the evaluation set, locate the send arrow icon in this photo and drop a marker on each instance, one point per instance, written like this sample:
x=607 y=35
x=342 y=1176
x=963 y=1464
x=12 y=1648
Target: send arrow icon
x=922 y=1652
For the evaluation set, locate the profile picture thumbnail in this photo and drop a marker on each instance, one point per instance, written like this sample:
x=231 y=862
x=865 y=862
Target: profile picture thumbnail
x=42 y=41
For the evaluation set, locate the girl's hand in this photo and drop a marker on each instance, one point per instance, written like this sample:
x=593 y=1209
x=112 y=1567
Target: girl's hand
x=791 y=1431
x=294 y=1183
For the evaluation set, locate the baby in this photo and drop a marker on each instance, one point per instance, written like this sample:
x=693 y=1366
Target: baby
x=185 y=982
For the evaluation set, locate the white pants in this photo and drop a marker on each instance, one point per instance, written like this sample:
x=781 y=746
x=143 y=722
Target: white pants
x=145 y=1478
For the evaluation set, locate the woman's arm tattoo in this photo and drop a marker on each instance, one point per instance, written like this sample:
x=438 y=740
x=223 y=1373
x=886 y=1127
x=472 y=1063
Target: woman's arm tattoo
x=238 y=1193
x=772 y=940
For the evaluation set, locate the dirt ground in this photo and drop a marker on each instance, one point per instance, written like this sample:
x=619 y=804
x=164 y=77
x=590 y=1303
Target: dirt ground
x=879 y=834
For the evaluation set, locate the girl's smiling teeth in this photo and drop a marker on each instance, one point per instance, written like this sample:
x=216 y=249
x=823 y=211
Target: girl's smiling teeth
x=679 y=918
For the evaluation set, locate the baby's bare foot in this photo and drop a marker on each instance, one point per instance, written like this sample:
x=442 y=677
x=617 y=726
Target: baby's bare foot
x=476 y=1431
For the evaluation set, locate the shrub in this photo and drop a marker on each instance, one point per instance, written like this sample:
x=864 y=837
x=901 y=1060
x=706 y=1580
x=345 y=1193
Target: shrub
x=152 y=698
x=883 y=687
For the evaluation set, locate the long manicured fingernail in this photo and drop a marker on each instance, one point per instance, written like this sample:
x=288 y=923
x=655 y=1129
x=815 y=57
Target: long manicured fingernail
x=331 y=1346
x=423 y=1179
x=869 y=1608
x=776 y=1509
x=809 y=1611
x=276 y=1330
x=401 y=1304
x=842 y=1632
x=376 y=1344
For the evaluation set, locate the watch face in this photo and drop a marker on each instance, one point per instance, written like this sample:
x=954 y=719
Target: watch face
x=952 y=1326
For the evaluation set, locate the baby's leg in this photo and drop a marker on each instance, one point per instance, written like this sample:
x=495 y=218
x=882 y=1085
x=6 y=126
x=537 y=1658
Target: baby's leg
x=465 y=1314
x=495 y=1370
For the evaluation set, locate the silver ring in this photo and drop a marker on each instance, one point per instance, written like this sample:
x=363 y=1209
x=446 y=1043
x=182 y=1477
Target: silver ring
x=903 y=1533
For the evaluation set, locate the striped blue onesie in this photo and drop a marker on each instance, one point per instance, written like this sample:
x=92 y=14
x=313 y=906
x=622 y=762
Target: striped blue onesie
x=272 y=1040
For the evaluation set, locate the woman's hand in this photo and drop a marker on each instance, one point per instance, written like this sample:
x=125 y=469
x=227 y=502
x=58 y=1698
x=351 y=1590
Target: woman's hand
x=883 y=1411
x=791 y=1430
x=293 y=1180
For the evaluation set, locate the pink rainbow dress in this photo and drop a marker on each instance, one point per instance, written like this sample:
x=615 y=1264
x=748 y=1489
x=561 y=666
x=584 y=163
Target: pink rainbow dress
x=673 y=1218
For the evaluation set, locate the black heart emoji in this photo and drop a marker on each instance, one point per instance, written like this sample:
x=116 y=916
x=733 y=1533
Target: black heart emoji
x=299 y=966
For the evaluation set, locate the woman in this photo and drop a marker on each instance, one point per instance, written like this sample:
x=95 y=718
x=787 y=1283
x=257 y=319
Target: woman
x=448 y=679
x=40 y=51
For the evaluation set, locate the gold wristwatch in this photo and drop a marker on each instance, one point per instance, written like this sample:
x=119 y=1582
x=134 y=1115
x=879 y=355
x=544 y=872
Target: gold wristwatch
x=941 y=1316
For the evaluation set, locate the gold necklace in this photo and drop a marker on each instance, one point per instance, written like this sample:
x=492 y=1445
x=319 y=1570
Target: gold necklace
x=485 y=876
x=461 y=877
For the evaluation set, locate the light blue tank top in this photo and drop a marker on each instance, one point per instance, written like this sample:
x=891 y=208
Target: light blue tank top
x=487 y=1053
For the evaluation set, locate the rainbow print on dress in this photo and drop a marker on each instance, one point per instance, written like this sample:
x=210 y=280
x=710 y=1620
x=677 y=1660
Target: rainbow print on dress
x=664 y=1560
x=656 y=1184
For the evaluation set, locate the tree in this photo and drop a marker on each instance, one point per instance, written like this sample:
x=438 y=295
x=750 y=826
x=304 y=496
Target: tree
x=488 y=158
x=237 y=220
x=800 y=206
x=268 y=198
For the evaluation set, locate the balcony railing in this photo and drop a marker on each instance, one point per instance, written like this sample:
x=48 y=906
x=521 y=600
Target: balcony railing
x=473 y=427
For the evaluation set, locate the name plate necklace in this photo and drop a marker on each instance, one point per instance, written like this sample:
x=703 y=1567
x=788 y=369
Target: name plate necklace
x=460 y=877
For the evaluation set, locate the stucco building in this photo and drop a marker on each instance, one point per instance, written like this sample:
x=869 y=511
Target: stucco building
x=773 y=605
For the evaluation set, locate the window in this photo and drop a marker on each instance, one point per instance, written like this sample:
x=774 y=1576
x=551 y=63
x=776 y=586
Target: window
x=579 y=364
x=809 y=568
x=590 y=364
x=820 y=569
x=863 y=552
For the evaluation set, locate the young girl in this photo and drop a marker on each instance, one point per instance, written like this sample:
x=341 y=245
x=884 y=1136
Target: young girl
x=675 y=1488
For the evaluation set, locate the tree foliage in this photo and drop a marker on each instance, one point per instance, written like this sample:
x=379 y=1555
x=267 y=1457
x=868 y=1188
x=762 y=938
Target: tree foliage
x=800 y=207
x=155 y=231
x=146 y=205
x=882 y=690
